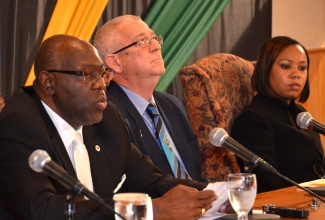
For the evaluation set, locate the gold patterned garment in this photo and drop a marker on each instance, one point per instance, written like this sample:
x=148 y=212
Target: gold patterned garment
x=2 y=102
x=216 y=89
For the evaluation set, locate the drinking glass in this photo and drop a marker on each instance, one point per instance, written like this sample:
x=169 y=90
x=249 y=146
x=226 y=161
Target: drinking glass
x=133 y=206
x=241 y=193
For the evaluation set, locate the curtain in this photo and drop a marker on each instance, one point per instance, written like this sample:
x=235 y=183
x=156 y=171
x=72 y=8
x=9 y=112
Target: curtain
x=121 y=7
x=77 y=17
x=22 y=26
x=241 y=29
x=183 y=24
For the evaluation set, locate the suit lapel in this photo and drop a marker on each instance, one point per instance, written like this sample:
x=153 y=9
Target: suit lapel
x=56 y=150
x=97 y=158
x=98 y=163
x=165 y=108
x=145 y=142
x=59 y=154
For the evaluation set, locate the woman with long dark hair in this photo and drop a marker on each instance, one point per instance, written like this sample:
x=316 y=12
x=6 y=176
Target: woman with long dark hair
x=268 y=125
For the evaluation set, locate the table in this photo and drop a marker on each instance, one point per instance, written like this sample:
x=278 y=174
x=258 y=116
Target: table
x=292 y=197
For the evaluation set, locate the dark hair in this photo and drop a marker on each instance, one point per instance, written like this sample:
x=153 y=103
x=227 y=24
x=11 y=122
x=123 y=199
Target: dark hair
x=266 y=58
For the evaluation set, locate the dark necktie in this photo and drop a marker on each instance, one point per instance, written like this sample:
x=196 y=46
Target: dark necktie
x=164 y=143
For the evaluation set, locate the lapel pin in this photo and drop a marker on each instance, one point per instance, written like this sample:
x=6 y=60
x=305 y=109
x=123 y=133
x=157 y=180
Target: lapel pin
x=97 y=148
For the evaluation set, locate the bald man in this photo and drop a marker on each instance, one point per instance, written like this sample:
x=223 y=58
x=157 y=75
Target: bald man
x=128 y=46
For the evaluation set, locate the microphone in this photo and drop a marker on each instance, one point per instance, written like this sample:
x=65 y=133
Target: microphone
x=40 y=161
x=306 y=121
x=219 y=137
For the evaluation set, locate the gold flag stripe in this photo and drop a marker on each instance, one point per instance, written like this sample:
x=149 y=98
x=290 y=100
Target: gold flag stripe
x=74 y=17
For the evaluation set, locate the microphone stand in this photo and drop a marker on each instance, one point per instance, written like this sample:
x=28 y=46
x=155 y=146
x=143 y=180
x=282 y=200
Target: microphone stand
x=274 y=171
x=249 y=166
x=40 y=161
x=301 y=187
x=69 y=206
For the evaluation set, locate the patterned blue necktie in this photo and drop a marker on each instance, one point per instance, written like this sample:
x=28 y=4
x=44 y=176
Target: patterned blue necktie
x=164 y=143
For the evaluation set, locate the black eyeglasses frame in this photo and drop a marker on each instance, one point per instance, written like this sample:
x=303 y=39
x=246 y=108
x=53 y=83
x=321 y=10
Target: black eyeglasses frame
x=82 y=73
x=160 y=40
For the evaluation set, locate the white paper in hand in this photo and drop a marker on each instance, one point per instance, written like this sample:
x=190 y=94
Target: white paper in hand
x=220 y=189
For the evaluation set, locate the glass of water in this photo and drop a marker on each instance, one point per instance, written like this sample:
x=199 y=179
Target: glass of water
x=241 y=193
x=133 y=206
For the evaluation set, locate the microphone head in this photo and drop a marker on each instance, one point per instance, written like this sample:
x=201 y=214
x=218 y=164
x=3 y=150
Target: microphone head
x=37 y=160
x=217 y=136
x=303 y=119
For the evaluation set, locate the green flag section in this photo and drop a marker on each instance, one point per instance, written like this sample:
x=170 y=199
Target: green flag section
x=183 y=24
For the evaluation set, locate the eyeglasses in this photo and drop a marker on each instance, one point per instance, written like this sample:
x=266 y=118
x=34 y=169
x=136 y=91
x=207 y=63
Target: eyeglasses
x=92 y=76
x=319 y=170
x=144 y=42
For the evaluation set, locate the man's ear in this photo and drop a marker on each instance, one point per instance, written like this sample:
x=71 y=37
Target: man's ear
x=46 y=82
x=113 y=62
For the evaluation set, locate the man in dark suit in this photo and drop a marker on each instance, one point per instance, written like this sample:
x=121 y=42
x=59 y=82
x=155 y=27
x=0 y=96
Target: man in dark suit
x=138 y=67
x=68 y=95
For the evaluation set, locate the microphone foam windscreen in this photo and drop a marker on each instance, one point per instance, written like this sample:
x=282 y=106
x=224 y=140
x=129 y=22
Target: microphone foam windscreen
x=37 y=159
x=216 y=136
x=303 y=119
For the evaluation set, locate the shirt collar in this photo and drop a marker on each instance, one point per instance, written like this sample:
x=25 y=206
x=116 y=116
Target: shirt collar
x=140 y=103
x=65 y=130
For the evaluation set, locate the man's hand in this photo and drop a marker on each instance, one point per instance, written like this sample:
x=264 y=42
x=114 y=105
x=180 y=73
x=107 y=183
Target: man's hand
x=182 y=202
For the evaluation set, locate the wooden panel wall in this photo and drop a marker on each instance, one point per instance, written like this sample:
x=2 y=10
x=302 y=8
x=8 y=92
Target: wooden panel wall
x=316 y=102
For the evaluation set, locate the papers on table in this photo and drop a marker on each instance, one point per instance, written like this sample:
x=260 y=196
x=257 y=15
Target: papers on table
x=212 y=216
x=314 y=183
